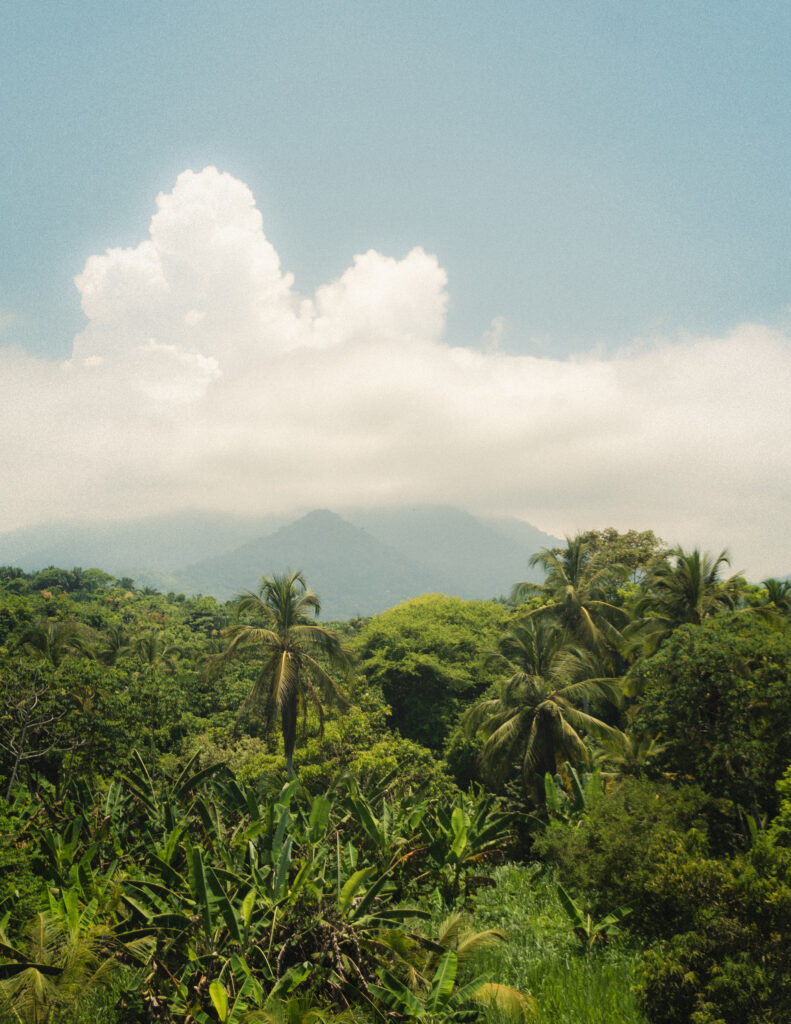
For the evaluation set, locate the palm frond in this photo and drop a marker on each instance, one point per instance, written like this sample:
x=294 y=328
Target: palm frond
x=509 y=1001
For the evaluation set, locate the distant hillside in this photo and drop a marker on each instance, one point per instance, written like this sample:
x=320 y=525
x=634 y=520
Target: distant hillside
x=482 y=558
x=352 y=572
x=158 y=543
x=359 y=564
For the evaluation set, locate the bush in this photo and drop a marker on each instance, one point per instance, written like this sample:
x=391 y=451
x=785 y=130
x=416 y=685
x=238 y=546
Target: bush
x=730 y=966
x=720 y=695
x=613 y=853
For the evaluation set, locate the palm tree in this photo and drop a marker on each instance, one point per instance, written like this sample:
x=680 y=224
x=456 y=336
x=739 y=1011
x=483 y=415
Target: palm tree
x=778 y=593
x=576 y=586
x=65 y=956
x=286 y=640
x=112 y=645
x=534 y=716
x=157 y=657
x=152 y=650
x=54 y=641
x=686 y=588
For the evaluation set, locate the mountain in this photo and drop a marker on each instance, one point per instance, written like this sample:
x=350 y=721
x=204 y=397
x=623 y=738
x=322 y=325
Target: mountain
x=367 y=561
x=352 y=572
x=158 y=544
x=480 y=558
x=359 y=564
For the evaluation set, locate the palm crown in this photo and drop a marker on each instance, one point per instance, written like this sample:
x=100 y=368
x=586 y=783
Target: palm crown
x=534 y=716
x=576 y=587
x=690 y=588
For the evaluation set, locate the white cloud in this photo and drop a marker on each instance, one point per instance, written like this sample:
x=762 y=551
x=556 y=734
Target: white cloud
x=204 y=379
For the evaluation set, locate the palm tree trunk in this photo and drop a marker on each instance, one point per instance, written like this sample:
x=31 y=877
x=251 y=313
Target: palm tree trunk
x=288 y=719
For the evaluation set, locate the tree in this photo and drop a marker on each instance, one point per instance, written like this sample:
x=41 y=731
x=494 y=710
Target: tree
x=158 y=658
x=634 y=551
x=428 y=656
x=54 y=641
x=778 y=593
x=534 y=716
x=66 y=956
x=687 y=588
x=30 y=721
x=577 y=587
x=720 y=695
x=290 y=676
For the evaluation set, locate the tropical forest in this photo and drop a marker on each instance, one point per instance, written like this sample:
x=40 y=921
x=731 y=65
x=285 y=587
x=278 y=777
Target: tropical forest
x=569 y=804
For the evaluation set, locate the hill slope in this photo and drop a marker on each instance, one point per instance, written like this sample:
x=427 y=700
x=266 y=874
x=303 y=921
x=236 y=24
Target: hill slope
x=360 y=564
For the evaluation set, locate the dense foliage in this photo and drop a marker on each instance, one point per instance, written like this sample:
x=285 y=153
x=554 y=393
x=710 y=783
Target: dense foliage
x=576 y=807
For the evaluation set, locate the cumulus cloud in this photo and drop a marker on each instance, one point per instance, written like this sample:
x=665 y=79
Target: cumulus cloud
x=204 y=379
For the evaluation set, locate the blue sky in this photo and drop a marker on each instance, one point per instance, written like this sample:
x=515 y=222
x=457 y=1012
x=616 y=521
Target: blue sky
x=528 y=258
x=589 y=171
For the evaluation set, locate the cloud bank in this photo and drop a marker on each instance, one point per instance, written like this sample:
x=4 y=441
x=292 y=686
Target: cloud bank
x=203 y=379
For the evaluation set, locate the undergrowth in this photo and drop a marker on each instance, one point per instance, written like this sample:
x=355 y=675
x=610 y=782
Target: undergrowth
x=542 y=956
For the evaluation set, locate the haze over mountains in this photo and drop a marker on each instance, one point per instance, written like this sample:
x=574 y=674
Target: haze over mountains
x=360 y=563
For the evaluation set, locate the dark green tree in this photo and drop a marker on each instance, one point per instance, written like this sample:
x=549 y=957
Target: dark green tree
x=687 y=587
x=778 y=593
x=55 y=640
x=720 y=696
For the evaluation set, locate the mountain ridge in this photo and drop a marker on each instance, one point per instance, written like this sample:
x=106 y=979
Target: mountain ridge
x=360 y=563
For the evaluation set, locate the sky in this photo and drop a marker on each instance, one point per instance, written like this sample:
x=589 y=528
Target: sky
x=526 y=258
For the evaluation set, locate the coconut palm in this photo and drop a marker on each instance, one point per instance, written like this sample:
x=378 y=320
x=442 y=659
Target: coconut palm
x=54 y=641
x=158 y=658
x=535 y=716
x=155 y=653
x=284 y=637
x=576 y=586
x=685 y=588
x=633 y=756
x=689 y=587
x=778 y=593
x=112 y=644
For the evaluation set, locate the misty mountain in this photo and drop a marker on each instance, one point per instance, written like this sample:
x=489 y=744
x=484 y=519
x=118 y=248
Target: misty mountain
x=359 y=564
x=352 y=572
x=482 y=558
x=157 y=543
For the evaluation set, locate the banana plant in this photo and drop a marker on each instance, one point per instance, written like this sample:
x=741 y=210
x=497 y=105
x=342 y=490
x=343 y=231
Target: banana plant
x=591 y=933
x=161 y=801
x=570 y=793
x=458 y=838
x=443 y=1000
x=388 y=821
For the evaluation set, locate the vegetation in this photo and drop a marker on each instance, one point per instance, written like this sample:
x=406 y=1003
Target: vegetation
x=576 y=807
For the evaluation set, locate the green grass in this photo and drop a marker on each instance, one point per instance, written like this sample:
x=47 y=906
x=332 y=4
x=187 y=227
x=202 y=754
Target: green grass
x=544 y=958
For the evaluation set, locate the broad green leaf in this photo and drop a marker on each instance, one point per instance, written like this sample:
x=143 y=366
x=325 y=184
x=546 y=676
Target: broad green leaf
x=281 y=871
x=227 y=911
x=397 y=996
x=247 y=907
x=200 y=889
x=459 y=831
x=575 y=914
x=220 y=999
x=443 y=981
x=351 y=887
x=11 y=970
x=319 y=816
